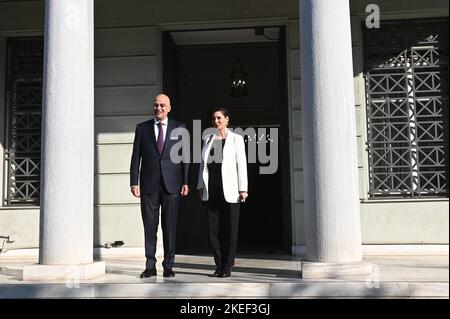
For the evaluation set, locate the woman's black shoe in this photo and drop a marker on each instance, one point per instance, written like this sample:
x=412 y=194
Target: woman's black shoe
x=168 y=273
x=225 y=275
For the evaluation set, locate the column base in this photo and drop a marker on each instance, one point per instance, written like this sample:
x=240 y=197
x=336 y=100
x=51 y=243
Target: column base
x=319 y=270
x=73 y=273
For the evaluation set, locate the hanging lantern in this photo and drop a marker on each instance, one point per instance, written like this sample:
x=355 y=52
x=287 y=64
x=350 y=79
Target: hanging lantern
x=238 y=80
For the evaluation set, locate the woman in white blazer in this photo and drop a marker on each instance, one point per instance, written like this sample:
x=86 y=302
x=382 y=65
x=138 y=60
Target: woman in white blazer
x=222 y=182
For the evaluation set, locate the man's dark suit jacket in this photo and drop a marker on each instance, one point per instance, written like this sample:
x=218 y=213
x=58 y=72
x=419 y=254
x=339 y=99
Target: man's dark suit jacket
x=153 y=166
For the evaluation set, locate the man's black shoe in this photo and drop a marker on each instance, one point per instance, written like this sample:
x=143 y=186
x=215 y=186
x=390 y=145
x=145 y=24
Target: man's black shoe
x=147 y=273
x=218 y=272
x=168 y=273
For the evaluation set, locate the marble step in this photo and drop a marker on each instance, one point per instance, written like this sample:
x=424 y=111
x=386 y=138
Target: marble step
x=230 y=289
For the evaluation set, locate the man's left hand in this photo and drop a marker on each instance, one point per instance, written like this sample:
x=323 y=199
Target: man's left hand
x=184 y=190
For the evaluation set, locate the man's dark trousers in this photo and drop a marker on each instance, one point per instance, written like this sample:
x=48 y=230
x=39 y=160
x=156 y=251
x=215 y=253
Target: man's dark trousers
x=150 y=204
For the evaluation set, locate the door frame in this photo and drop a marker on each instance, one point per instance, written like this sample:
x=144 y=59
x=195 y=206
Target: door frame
x=285 y=124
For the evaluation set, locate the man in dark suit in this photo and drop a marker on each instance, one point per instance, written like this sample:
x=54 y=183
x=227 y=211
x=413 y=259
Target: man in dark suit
x=161 y=182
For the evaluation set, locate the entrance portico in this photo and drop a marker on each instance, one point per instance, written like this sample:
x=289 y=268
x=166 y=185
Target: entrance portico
x=331 y=196
x=331 y=200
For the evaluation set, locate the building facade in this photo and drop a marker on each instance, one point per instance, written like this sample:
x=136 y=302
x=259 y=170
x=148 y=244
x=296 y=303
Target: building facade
x=187 y=49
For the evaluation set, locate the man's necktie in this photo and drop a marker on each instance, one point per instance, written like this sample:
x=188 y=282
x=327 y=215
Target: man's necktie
x=160 y=141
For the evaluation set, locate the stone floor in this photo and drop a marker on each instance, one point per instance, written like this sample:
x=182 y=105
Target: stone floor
x=252 y=277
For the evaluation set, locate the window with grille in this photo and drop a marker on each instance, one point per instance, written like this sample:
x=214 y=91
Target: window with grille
x=23 y=121
x=406 y=71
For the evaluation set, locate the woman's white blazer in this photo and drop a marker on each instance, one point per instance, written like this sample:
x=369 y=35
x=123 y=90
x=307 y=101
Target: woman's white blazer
x=234 y=167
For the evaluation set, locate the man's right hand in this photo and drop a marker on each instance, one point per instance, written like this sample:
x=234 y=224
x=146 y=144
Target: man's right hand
x=136 y=191
x=200 y=193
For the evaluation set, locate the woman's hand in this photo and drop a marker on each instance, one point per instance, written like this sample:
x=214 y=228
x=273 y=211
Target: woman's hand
x=200 y=193
x=243 y=196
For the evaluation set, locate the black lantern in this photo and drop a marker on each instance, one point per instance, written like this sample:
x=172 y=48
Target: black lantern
x=238 y=83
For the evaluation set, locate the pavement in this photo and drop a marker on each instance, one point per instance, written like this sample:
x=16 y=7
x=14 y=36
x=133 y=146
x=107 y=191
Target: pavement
x=260 y=277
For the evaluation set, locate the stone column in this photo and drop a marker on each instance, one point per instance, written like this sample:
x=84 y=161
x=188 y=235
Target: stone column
x=67 y=157
x=333 y=230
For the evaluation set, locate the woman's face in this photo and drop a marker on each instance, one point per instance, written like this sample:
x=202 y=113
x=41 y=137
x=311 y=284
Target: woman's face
x=219 y=120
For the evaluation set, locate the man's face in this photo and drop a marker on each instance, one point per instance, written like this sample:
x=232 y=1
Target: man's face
x=161 y=107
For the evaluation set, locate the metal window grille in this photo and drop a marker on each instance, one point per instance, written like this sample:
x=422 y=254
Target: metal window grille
x=406 y=75
x=23 y=127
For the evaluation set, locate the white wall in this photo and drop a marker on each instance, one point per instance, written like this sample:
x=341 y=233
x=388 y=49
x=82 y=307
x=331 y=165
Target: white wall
x=126 y=80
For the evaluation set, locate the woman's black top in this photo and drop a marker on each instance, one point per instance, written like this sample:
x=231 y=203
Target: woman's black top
x=215 y=188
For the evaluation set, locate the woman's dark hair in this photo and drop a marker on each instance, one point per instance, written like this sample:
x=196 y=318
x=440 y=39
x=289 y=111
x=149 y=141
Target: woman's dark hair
x=222 y=110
